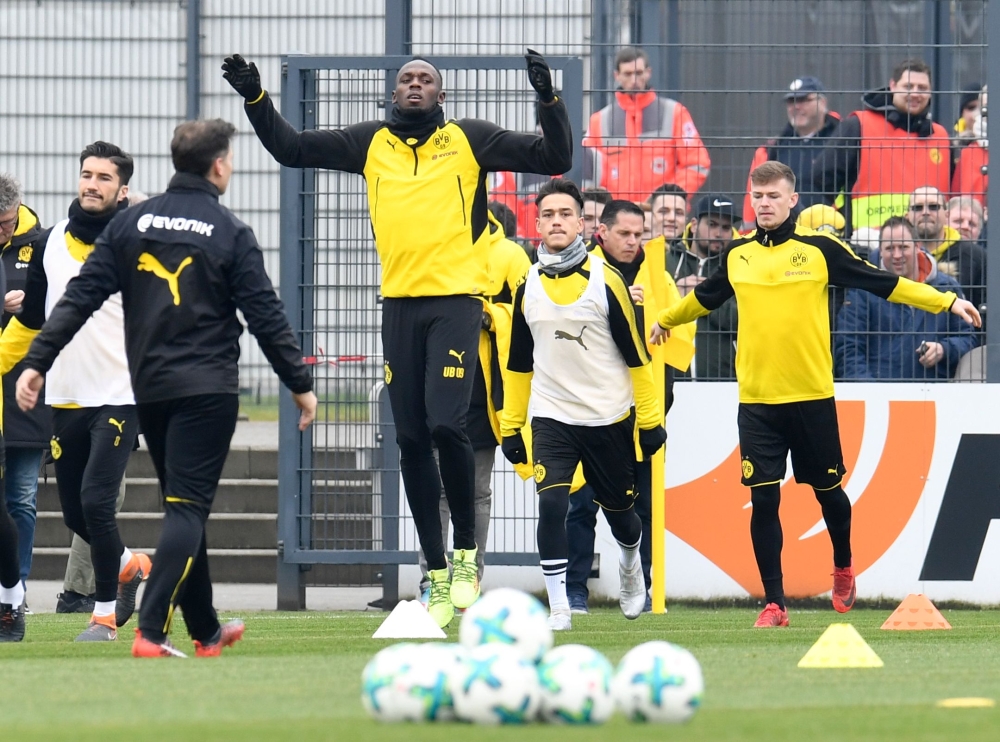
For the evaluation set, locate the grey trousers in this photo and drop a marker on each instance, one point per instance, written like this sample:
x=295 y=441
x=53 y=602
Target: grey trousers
x=483 y=502
x=79 y=569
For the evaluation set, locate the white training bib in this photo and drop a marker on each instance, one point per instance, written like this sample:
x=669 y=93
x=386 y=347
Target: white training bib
x=580 y=377
x=92 y=370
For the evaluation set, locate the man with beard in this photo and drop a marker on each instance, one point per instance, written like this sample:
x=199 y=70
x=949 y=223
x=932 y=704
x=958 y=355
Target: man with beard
x=693 y=259
x=879 y=154
x=432 y=278
x=94 y=421
x=642 y=140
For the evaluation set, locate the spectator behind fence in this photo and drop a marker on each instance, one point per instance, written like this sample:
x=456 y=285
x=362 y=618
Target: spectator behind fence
x=26 y=434
x=881 y=341
x=970 y=178
x=965 y=215
x=963 y=132
x=668 y=209
x=810 y=123
x=642 y=140
x=594 y=201
x=962 y=260
x=880 y=153
x=691 y=260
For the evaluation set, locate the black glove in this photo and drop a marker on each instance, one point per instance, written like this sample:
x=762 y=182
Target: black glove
x=487 y=321
x=540 y=76
x=244 y=77
x=513 y=449
x=650 y=441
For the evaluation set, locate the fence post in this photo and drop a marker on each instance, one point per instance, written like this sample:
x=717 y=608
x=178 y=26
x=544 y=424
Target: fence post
x=193 y=71
x=398 y=27
x=389 y=465
x=993 y=201
x=290 y=578
x=938 y=53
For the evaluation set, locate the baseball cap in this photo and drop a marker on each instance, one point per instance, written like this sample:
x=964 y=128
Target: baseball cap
x=822 y=218
x=800 y=87
x=716 y=203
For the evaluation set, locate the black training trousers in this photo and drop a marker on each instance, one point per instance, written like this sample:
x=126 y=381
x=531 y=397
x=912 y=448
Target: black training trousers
x=10 y=571
x=188 y=440
x=430 y=346
x=90 y=448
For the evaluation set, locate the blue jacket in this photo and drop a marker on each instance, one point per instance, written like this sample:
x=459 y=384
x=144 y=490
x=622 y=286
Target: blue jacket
x=877 y=340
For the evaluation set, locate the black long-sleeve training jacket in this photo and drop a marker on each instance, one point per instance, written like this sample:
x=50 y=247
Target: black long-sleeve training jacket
x=184 y=264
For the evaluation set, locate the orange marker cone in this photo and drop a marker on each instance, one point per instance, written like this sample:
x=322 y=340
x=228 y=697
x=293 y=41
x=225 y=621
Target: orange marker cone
x=916 y=613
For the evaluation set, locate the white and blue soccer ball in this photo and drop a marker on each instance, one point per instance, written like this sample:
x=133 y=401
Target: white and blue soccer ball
x=411 y=682
x=658 y=682
x=379 y=676
x=508 y=617
x=494 y=684
x=575 y=686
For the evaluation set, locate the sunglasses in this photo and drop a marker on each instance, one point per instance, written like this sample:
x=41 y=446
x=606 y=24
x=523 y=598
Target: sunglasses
x=8 y=223
x=926 y=207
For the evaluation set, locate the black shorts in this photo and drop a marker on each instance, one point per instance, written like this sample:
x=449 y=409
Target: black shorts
x=808 y=429
x=607 y=453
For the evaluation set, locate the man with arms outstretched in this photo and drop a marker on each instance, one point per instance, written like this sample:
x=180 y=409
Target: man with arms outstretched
x=432 y=277
x=779 y=274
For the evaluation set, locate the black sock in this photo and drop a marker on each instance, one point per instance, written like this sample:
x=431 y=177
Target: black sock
x=837 y=514
x=765 y=532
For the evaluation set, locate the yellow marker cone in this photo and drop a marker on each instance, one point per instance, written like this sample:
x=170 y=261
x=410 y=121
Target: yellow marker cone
x=840 y=646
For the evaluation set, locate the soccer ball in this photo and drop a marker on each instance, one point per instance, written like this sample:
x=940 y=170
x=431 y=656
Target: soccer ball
x=412 y=683
x=658 y=682
x=496 y=685
x=576 y=685
x=511 y=617
x=378 y=676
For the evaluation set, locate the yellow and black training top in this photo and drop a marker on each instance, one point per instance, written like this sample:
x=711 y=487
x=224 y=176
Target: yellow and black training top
x=780 y=280
x=427 y=195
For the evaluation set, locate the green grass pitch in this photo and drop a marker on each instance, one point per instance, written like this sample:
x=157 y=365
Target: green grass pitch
x=297 y=677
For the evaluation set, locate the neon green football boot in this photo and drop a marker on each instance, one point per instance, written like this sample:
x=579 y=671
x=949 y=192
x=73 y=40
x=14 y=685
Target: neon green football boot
x=464 y=578
x=439 y=604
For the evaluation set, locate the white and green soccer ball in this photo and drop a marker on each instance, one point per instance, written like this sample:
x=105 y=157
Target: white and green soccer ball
x=378 y=677
x=658 y=682
x=411 y=682
x=575 y=685
x=508 y=617
x=494 y=684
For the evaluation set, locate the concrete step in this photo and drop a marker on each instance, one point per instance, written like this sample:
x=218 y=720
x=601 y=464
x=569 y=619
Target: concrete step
x=142 y=530
x=228 y=565
x=142 y=494
x=242 y=463
x=224 y=530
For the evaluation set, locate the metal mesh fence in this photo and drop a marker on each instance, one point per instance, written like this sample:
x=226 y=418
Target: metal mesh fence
x=730 y=63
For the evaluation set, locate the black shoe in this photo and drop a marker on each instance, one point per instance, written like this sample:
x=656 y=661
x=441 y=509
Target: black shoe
x=648 y=607
x=11 y=623
x=71 y=602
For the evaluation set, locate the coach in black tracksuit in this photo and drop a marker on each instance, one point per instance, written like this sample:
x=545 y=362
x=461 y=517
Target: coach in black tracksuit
x=427 y=200
x=184 y=264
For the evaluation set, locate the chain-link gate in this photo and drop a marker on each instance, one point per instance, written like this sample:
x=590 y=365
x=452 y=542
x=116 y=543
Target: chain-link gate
x=340 y=494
